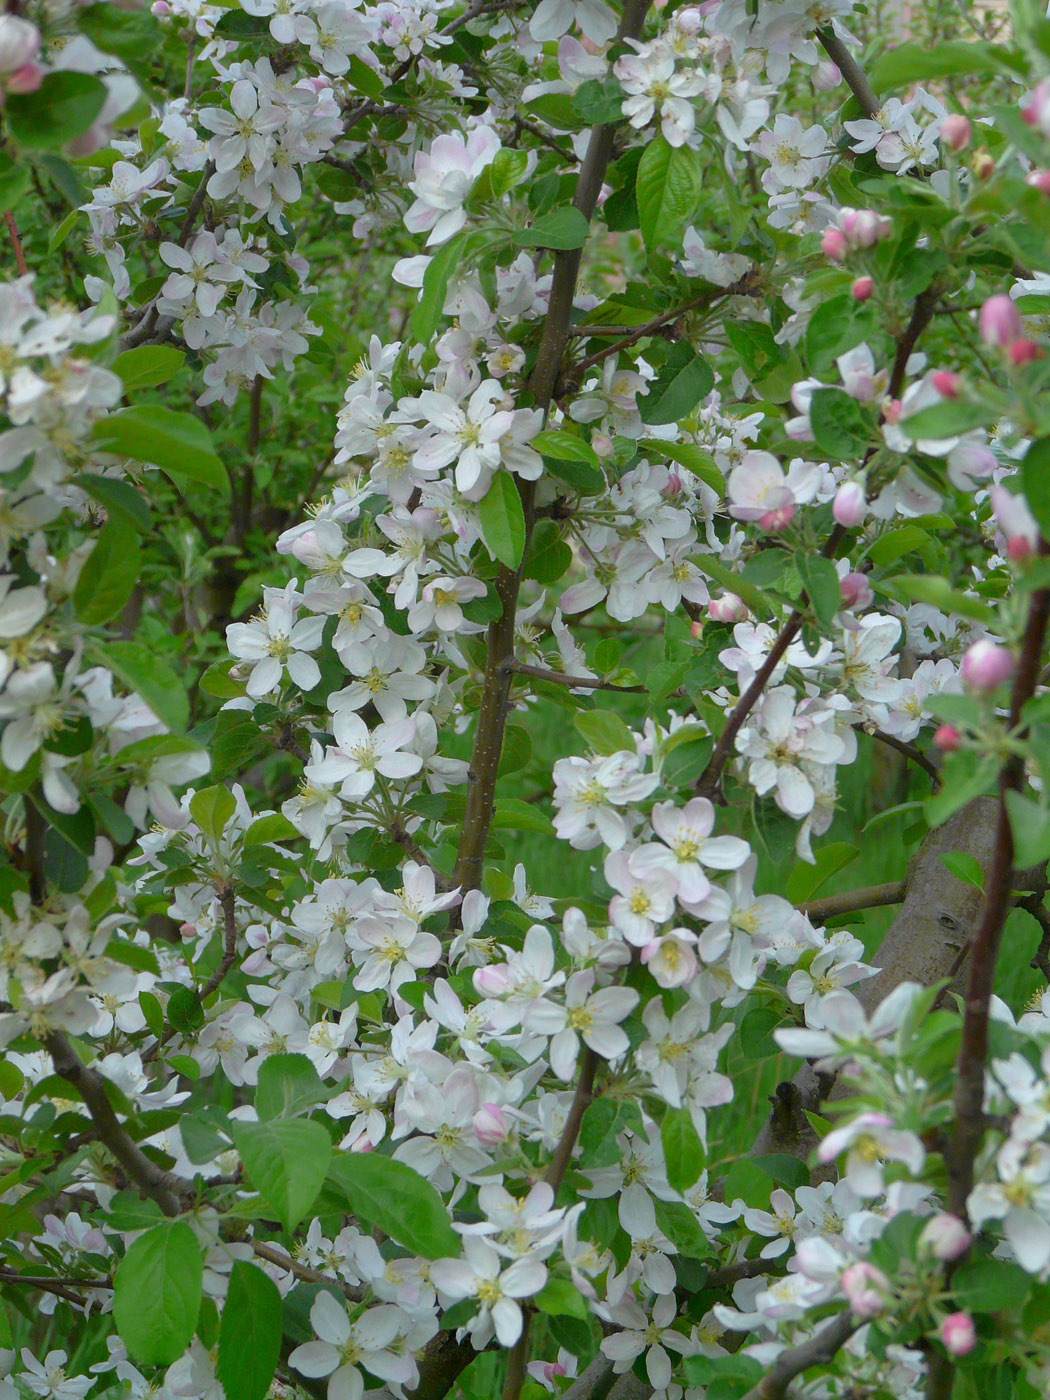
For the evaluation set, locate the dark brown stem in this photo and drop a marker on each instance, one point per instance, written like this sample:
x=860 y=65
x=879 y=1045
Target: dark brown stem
x=710 y=781
x=705 y=299
x=36 y=831
x=151 y=1180
x=559 y=1163
x=921 y=316
x=16 y=243
x=817 y=1351
x=544 y=137
x=915 y=755
x=833 y=906
x=852 y=72
x=495 y=695
x=973 y=1050
x=303 y=1272
x=520 y=668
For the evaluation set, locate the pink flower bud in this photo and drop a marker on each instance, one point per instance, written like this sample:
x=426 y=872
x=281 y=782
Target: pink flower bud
x=850 y=505
x=362 y=1144
x=696 y=629
x=777 y=519
x=491 y=981
x=1036 y=110
x=946 y=383
x=891 y=410
x=1018 y=547
x=862 y=288
x=945 y=1236
x=826 y=76
x=490 y=1124
x=958 y=1334
x=602 y=444
x=955 y=131
x=19 y=42
x=25 y=79
x=1000 y=321
x=947 y=738
x=728 y=608
x=1039 y=180
x=834 y=244
x=986 y=666
x=1023 y=351
x=983 y=164
x=160 y=8
x=866 y=1288
x=856 y=591
x=188 y=930
x=863 y=227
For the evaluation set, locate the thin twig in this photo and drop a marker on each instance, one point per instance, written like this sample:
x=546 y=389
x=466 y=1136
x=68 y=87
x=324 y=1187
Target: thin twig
x=852 y=72
x=16 y=244
x=522 y=668
x=984 y=949
x=303 y=1272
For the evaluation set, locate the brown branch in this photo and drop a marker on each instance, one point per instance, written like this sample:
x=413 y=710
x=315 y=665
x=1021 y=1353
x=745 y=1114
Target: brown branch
x=854 y=74
x=559 y=1163
x=495 y=695
x=833 y=906
x=227 y=902
x=910 y=751
x=16 y=244
x=921 y=315
x=541 y=673
x=303 y=1272
x=534 y=129
x=984 y=950
x=817 y=1351
x=149 y=324
x=709 y=783
x=409 y=844
x=152 y=1181
x=739 y=288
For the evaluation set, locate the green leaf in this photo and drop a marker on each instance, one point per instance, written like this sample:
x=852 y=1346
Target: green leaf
x=286 y=1161
x=287 y=1085
x=1035 y=482
x=841 y=428
x=366 y=80
x=273 y=827
x=110 y=572
x=511 y=814
x=695 y=459
x=683 y=1151
x=117 y=496
x=588 y=480
x=913 y=62
x=682 y=1228
x=385 y=1193
x=785 y=1170
x=62 y=108
x=947 y=419
x=148 y=365
x=733 y=583
x=821 y=581
x=681 y=382
x=157 y=1293
x=132 y=34
x=930 y=588
x=1030 y=824
x=561 y=1298
x=604 y=731
x=563 y=229
x=176 y=442
x=142 y=671
x=991 y=1285
x=211 y=808
x=667 y=188
x=964 y=866
x=567 y=447
x=427 y=311
x=598 y=100
x=502 y=520
x=894 y=544
x=249 y=1334
x=836 y=325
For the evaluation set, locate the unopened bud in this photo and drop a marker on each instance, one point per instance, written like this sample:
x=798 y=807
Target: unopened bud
x=955 y=131
x=25 y=79
x=826 y=76
x=999 y=321
x=160 y=8
x=866 y=1287
x=834 y=244
x=862 y=288
x=958 y=1334
x=892 y=410
x=850 y=505
x=490 y=1124
x=946 y=383
x=491 y=981
x=696 y=629
x=777 y=519
x=856 y=591
x=1018 y=547
x=983 y=164
x=1039 y=180
x=947 y=738
x=945 y=1236
x=19 y=42
x=188 y=930
x=728 y=608
x=1023 y=351
x=986 y=666
x=362 y=1144
x=602 y=444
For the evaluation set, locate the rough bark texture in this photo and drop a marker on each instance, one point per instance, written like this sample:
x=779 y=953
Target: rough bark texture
x=926 y=943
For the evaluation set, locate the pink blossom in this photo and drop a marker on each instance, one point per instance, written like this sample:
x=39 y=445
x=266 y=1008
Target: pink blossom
x=947 y=738
x=958 y=1334
x=987 y=665
x=945 y=1236
x=862 y=288
x=866 y=1287
x=850 y=505
x=955 y=131
x=1000 y=321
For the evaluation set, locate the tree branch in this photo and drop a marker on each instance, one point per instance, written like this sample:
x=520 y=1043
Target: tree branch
x=541 y=673
x=819 y=1349
x=833 y=906
x=16 y=244
x=303 y=1272
x=854 y=74
x=984 y=951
